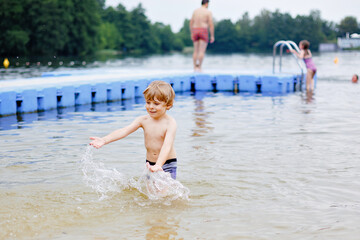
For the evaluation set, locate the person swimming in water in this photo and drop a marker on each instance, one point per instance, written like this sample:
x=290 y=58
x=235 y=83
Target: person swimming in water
x=355 y=78
x=200 y=22
x=306 y=55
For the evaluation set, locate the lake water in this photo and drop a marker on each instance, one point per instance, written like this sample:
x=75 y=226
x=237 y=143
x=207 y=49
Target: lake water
x=257 y=166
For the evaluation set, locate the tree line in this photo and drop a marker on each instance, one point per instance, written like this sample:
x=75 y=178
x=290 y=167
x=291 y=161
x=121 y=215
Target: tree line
x=82 y=27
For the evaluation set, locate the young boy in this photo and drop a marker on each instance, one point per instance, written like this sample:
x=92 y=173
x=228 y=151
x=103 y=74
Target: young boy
x=159 y=129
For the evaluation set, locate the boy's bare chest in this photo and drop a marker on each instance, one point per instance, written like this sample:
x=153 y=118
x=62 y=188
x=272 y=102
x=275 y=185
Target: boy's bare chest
x=154 y=131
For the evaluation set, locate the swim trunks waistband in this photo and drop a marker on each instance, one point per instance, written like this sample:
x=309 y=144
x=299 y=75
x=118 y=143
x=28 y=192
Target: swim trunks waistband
x=167 y=161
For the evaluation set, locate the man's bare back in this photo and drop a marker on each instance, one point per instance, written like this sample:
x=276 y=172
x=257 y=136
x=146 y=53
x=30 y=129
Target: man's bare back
x=201 y=18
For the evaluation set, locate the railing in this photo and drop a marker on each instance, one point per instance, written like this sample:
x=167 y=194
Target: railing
x=290 y=45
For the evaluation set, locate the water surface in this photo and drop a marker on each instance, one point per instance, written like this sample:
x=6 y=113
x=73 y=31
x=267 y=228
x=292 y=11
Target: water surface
x=257 y=166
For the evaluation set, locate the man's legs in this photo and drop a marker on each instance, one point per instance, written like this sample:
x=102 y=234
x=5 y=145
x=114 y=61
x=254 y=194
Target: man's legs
x=195 y=54
x=199 y=53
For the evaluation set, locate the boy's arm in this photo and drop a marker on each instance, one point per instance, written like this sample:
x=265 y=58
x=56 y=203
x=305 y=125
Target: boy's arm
x=166 y=147
x=117 y=134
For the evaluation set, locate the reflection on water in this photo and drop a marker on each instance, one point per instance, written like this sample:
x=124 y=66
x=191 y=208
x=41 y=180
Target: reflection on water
x=308 y=96
x=201 y=116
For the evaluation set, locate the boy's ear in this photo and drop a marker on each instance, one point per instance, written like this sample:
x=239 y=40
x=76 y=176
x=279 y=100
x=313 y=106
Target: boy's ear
x=168 y=107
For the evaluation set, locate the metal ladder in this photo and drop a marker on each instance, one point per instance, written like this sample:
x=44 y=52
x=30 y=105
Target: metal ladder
x=290 y=45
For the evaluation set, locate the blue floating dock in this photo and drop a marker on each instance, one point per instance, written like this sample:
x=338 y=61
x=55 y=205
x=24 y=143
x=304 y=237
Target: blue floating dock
x=65 y=89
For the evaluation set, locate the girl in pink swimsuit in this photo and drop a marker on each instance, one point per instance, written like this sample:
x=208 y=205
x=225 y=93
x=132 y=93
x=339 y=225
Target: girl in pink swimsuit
x=306 y=55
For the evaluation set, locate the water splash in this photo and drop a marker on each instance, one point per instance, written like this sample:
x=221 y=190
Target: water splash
x=160 y=185
x=156 y=186
x=103 y=181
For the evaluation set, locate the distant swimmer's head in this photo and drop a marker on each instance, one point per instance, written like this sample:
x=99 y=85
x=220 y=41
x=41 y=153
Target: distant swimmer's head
x=203 y=2
x=355 y=78
x=160 y=91
x=305 y=44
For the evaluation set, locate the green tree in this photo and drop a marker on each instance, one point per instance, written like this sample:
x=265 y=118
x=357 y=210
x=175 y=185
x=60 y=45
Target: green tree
x=109 y=37
x=84 y=28
x=226 y=37
x=101 y=3
x=178 y=44
x=17 y=42
x=48 y=25
x=184 y=34
x=13 y=35
x=309 y=28
x=122 y=19
x=166 y=37
x=144 y=38
x=348 y=25
x=329 y=30
x=280 y=27
x=260 y=29
x=244 y=32
x=80 y=27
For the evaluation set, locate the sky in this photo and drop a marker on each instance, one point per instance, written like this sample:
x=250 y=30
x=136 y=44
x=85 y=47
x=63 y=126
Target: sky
x=174 y=12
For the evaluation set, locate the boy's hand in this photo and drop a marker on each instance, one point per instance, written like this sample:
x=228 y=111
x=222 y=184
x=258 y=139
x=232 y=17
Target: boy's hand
x=154 y=168
x=97 y=142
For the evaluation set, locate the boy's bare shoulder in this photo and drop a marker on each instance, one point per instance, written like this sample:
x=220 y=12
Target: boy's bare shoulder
x=172 y=121
x=171 y=118
x=169 y=121
x=142 y=118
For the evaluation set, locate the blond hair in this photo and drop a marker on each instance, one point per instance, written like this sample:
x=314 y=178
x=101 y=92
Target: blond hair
x=160 y=91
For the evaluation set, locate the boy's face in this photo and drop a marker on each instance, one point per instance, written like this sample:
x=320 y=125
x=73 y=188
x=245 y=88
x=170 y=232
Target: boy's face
x=155 y=108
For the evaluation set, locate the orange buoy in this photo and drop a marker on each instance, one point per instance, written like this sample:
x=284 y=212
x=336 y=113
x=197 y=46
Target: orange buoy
x=6 y=63
x=336 y=60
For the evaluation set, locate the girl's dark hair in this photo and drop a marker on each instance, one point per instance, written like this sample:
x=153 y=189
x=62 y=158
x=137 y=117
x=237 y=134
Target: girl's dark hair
x=305 y=44
x=204 y=2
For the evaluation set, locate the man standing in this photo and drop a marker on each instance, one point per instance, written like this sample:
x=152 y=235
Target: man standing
x=200 y=22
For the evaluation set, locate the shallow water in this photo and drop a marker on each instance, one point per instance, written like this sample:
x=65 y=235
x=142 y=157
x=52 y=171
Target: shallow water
x=257 y=167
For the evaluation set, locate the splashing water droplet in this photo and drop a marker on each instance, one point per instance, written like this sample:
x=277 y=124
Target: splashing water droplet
x=156 y=186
